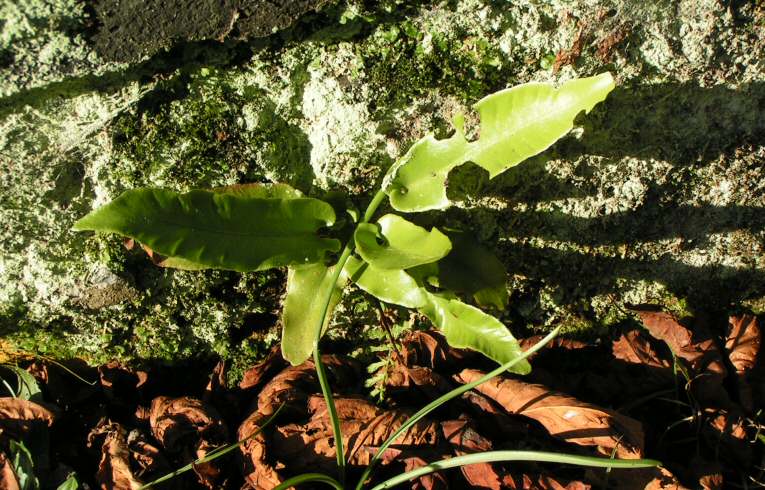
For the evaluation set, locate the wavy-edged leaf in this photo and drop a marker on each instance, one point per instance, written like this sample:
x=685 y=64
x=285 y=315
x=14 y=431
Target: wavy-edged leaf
x=389 y=285
x=404 y=244
x=516 y=123
x=220 y=230
x=306 y=287
x=465 y=326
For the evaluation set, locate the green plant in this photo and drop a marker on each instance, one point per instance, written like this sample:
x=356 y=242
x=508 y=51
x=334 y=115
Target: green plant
x=260 y=226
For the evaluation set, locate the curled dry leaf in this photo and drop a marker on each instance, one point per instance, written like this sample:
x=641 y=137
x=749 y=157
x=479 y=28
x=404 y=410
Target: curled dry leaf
x=148 y=458
x=364 y=428
x=114 y=468
x=407 y=382
x=189 y=426
x=430 y=349
x=634 y=348
x=700 y=354
x=433 y=481
x=255 y=377
x=493 y=419
x=18 y=416
x=294 y=385
x=564 y=417
x=8 y=480
x=465 y=440
x=743 y=345
x=257 y=470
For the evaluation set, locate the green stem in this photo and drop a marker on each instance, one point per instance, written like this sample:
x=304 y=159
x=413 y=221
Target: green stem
x=445 y=398
x=493 y=456
x=321 y=371
x=309 y=477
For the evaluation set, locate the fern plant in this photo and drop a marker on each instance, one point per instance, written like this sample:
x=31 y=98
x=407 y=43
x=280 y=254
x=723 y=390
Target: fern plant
x=261 y=226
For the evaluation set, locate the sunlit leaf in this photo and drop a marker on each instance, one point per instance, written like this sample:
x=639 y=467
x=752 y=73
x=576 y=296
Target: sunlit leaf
x=70 y=483
x=306 y=289
x=468 y=327
x=220 y=230
x=390 y=285
x=404 y=244
x=516 y=124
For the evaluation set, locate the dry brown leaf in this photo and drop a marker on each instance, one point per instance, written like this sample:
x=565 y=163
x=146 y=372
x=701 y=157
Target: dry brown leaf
x=257 y=375
x=634 y=348
x=556 y=343
x=114 y=468
x=174 y=419
x=8 y=480
x=294 y=385
x=493 y=419
x=465 y=440
x=189 y=426
x=18 y=416
x=726 y=433
x=430 y=349
x=563 y=416
x=258 y=471
x=408 y=382
x=638 y=479
x=743 y=345
x=540 y=482
x=312 y=445
x=701 y=355
x=146 y=455
x=433 y=481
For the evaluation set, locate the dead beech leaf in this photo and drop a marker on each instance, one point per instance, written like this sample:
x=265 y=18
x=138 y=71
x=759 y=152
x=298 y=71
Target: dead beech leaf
x=640 y=479
x=493 y=419
x=312 y=445
x=701 y=355
x=743 y=345
x=189 y=426
x=256 y=376
x=8 y=480
x=295 y=384
x=114 y=468
x=556 y=343
x=146 y=455
x=563 y=416
x=634 y=348
x=540 y=482
x=465 y=440
x=257 y=470
x=18 y=416
x=430 y=349
x=725 y=432
x=407 y=382
x=433 y=481
x=174 y=419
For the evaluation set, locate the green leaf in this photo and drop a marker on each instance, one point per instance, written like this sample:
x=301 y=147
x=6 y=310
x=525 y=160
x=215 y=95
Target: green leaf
x=220 y=230
x=23 y=466
x=70 y=483
x=516 y=124
x=404 y=244
x=468 y=327
x=306 y=288
x=473 y=269
x=389 y=285
x=26 y=384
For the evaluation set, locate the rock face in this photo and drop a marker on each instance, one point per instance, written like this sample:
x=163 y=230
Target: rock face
x=131 y=29
x=657 y=196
